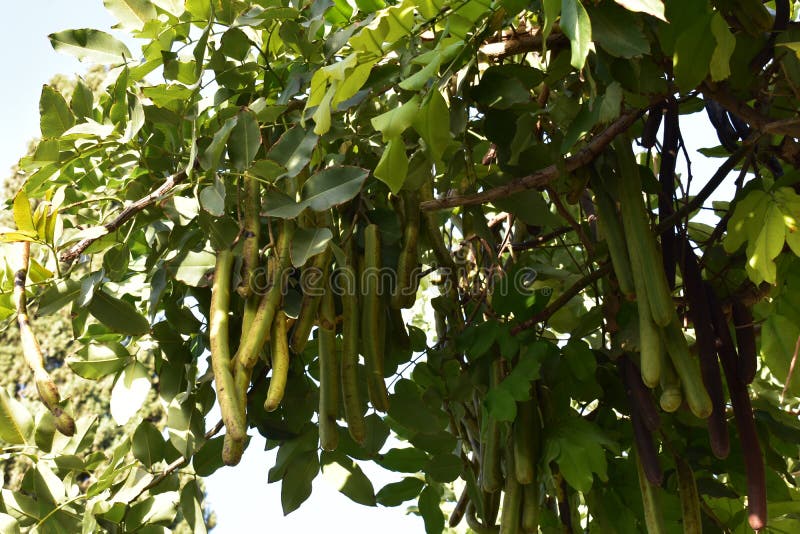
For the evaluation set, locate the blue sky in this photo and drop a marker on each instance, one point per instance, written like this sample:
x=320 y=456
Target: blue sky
x=240 y=496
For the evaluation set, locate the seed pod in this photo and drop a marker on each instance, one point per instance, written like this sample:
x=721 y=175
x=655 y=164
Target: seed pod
x=727 y=135
x=328 y=374
x=653 y=517
x=404 y=293
x=645 y=257
x=690 y=499
x=666 y=178
x=531 y=508
x=511 y=512
x=491 y=473
x=638 y=394
x=671 y=396
x=279 y=355
x=693 y=388
x=232 y=414
x=32 y=352
x=706 y=349
x=313 y=281
x=232 y=450
x=251 y=234
x=609 y=224
x=651 y=126
x=460 y=508
x=745 y=341
x=743 y=413
x=372 y=319
x=525 y=441
x=253 y=339
x=350 y=335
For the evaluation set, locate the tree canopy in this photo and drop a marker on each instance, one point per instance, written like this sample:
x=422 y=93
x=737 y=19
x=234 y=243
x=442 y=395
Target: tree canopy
x=453 y=222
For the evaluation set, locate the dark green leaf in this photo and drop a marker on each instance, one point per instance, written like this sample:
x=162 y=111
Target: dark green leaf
x=118 y=315
x=397 y=493
x=296 y=488
x=245 y=140
x=308 y=242
x=55 y=115
x=293 y=150
x=348 y=478
x=148 y=444
x=96 y=360
x=333 y=186
x=430 y=511
x=407 y=460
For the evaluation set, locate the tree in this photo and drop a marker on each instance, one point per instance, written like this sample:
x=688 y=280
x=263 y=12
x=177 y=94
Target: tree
x=312 y=164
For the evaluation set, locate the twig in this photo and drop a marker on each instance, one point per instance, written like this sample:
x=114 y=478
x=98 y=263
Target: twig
x=756 y=120
x=562 y=210
x=563 y=298
x=77 y=249
x=544 y=176
x=538 y=240
x=176 y=464
x=520 y=43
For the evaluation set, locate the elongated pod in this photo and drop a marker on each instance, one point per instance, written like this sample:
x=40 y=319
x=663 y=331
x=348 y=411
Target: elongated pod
x=279 y=355
x=253 y=339
x=638 y=394
x=671 y=397
x=405 y=291
x=32 y=352
x=232 y=414
x=525 y=435
x=328 y=373
x=666 y=178
x=313 y=282
x=693 y=388
x=646 y=262
x=347 y=284
x=651 y=126
x=745 y=340
x=653 y=516
x=706 y=349
x=743 y=413
x=690 y=498
x=251 y=234
x=611 y=228
x=511 y=512
x=531 y=509
x=491 y=449
x=372 y=317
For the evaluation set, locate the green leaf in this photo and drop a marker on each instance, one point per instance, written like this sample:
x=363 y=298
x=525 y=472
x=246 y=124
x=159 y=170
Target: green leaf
x=395 y=121
x=779 y=336
x=16 y=423
x=745 y=223
x=212 y=198
x=192 y=508
x=651 y=7
x=293 y=150
x=185 y=426
x=132 y=14
x=392 y=169
x=618 y=31
x=333 y=186
x=693 y=50
x=208 y=458
x=433 y=125
x=98 y=359
x=308 y=242
x=430 y=511
x=55 y=115
x=147 y=444
x=396 y=493
x=245 y=140
x=267 y=170
x=552 y=10
x=210 y=158
x=577 y=446
x=348 y=478
x=576 y=25
x=409 y=460
x=129 y=392
x=91 y=45
x=726 y=43
x=444 y=468
x=8 y=525
x=500 y=404
x=23 y=216
x=191 y=269
x=407 y=407
x=296 y=488
x=766 y=247
x=118 y=315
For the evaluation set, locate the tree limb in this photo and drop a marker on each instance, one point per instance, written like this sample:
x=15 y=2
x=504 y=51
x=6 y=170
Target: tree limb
x=543 y=176
x=520 y=43
x=756 y=120
x=77 y=249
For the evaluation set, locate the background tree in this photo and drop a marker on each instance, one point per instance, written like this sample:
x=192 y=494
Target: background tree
x=303 y=164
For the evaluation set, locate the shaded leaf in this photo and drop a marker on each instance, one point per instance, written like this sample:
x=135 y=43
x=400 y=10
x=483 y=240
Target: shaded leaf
x=245 y=140
x=308 y=242
x=296 y=489
x=118 y=315
x=396 y=493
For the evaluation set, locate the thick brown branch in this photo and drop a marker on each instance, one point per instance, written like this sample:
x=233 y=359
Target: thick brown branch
x=544 y=176
x=77 y=249
x=520 y=43
x=756 y=120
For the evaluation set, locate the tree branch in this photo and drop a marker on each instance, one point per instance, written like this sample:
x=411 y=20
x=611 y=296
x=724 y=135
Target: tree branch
x=77 y=249
x=543 y=176
x=756 y=120
x=520 y=43
x=563 y=298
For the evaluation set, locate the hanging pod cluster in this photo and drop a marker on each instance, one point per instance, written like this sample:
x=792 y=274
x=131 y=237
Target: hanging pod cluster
x=643 y=270
x=345 y=305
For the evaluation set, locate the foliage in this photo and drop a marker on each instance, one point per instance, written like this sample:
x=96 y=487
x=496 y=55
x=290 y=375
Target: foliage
x=185 y=215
